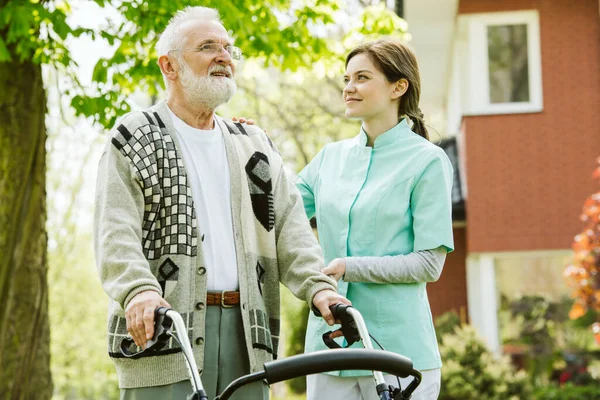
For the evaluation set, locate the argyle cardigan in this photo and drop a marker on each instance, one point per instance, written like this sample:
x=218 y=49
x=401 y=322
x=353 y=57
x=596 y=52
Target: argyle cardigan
x=146 y=238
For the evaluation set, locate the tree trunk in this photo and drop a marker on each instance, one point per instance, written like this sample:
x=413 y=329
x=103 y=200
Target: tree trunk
x=24 y=326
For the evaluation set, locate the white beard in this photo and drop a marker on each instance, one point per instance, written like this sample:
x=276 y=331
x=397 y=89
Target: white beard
x=206 y=91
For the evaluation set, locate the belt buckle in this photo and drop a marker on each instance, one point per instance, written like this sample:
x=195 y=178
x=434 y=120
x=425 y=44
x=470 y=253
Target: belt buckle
x=223 y=299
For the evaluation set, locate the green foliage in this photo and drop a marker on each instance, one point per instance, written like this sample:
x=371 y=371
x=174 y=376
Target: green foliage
x=538 y=317
x=445 y=324
x=542 y=329
x=285 y=34
x=538 y=321
x=470 y=371
x=295 y=316
x=377 y=20
x=36 y=30
x=81 y=368
x=80 y=364
x=568 y=392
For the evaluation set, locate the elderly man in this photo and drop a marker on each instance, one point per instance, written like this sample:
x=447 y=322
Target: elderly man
x=196 y=213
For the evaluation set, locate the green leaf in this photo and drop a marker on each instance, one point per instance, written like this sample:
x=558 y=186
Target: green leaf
x=60 y=26
x=4 y=53
x=100 y=73
x=20 y=25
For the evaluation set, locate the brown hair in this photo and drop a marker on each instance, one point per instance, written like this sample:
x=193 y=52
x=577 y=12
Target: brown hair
x=396 y=61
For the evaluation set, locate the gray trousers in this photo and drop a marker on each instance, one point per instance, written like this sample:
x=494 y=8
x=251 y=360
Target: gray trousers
x=225 y=359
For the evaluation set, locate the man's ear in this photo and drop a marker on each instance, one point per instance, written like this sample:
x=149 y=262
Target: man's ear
x=400 y=88
x=167 y=67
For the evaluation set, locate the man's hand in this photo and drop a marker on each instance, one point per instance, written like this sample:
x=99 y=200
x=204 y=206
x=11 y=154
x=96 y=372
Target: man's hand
x=325 y=298
x=140 y=315
x=336 y=268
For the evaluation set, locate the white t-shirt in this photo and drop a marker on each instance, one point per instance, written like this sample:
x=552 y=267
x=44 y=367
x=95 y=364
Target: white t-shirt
x=208 y=172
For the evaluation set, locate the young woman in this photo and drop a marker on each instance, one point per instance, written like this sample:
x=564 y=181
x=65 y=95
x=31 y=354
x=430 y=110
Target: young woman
x=383 y=209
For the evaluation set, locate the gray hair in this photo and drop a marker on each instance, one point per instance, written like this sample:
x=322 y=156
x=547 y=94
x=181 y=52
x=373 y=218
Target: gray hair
x=172 y=38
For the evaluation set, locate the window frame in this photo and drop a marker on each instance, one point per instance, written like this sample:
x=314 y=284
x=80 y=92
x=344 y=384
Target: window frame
x=477 y=63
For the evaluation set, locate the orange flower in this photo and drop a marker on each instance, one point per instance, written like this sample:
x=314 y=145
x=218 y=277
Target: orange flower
x=578 y=310
x=582 y=274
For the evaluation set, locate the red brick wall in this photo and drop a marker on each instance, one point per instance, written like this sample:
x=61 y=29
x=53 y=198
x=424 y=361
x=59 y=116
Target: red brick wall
x=449 y=293
x=528 y=174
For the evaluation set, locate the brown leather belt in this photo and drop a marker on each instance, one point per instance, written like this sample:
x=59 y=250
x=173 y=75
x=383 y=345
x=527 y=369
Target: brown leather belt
x=224 y=299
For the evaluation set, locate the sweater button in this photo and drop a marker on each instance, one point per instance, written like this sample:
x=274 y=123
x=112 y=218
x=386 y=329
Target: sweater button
x=201 y=271
x=199 y=341
x=200 y=306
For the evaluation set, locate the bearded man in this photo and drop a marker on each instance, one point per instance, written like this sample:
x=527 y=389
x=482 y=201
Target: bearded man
x=196 y=213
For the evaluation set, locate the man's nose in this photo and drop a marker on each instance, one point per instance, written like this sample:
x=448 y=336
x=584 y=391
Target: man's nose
x=223 y=57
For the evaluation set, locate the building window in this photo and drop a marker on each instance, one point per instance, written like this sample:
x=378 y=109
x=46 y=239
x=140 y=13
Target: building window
x=503 y=73
x=508 y=69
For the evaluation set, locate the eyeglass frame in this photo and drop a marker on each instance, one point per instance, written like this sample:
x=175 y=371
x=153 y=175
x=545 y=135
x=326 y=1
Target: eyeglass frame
x=230 y=49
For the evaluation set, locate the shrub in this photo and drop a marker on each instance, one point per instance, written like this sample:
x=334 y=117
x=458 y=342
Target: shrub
x=471 y=371
x=445 y=324
x=568 y=392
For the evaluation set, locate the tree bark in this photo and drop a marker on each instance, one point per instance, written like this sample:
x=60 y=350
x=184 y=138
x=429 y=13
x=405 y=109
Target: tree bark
x=24 y=325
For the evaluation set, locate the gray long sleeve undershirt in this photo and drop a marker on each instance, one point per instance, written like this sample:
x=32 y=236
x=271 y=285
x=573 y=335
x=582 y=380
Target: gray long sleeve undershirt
x=418 y=266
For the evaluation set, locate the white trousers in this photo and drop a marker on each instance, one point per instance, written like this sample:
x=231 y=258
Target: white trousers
x=328 y=387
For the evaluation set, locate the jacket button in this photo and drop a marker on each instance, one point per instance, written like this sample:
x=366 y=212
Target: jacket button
x=199 y=341
x=200 y=306
x=201 y=271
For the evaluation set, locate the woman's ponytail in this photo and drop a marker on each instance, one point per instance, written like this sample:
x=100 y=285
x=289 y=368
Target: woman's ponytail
x=418 y=120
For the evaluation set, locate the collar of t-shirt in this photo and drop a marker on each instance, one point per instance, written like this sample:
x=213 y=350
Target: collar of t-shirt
x=207 y=135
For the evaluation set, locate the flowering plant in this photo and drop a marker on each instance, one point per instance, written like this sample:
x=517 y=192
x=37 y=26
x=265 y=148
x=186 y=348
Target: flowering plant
x=582 y=274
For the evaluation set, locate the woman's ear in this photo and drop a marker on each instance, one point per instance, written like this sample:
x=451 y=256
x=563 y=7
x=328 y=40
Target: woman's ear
x=400 y=88
x=167 y=67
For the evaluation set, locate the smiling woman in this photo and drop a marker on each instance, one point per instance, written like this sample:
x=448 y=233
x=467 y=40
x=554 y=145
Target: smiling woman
x=382 y=201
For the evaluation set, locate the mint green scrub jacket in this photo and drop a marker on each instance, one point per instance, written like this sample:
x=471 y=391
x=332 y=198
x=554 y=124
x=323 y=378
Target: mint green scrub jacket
x=391 y=199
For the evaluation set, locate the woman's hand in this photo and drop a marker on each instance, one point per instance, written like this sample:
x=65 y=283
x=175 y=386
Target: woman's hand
x=336 y=268
x=243 y=120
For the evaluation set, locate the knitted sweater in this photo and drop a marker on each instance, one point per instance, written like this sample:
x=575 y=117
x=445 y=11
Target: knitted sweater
x=146 y=238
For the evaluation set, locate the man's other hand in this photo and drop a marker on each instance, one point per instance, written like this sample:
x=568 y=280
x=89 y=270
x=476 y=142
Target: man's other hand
x=326 y=298
x=139 y=315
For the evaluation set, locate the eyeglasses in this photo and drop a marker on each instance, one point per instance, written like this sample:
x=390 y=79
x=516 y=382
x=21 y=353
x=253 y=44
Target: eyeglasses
x=214 y=48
